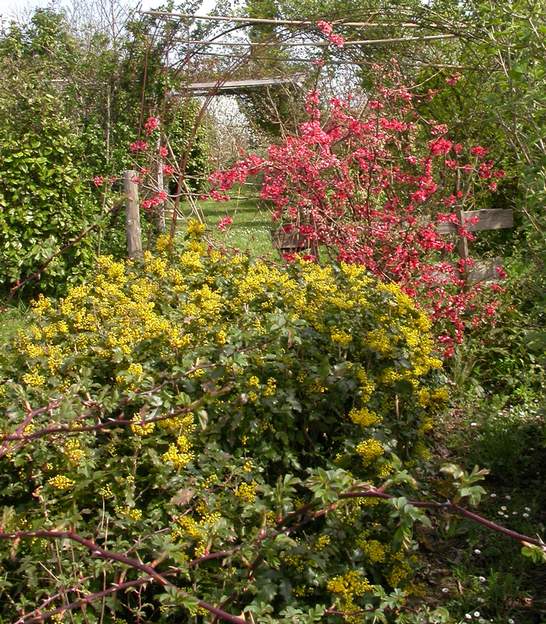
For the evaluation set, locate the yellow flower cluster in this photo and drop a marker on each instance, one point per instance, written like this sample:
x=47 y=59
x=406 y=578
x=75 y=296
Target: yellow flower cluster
x=140 y=427
x=341 y=338
x=428 y=397
x=179 y=454
x=246 y=491
x=364 y=417
x=61 y=482
x=349 y=585
x=73 y=451
x=373 y=549
x=369 y=450
x=322 y=542
x=270 y=388
x=378 y=340
x=34 y=379
x=195 y=228
x=130 y=513
x=367 y=386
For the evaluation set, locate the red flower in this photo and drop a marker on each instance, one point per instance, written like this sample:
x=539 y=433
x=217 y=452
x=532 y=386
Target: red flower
x=224 y=223
x=98 y=181
x=152 y=123
x=478 y=151
x=138 y=146
x=453 y=79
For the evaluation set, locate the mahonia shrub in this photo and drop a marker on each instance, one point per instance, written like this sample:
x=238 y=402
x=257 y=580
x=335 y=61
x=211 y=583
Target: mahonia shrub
x=211 y=415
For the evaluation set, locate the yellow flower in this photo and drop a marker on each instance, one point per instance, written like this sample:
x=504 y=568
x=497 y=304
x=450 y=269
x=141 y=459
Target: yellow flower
x=364 y=417
x=340 y=337
x=195 y=228
x=73 y=451
x=61 y=482
x=246 y=491
x=130 y=513
x=141 y=427
x=369 y=450
x=34 y=379
x=351 y=584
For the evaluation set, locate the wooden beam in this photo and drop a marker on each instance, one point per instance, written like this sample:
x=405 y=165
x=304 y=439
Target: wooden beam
x=362 y=42
x=489 y=219
x=277 y=22
x=227 y=85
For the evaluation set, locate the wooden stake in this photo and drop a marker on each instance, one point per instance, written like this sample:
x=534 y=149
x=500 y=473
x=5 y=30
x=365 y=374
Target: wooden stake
x=132 y=215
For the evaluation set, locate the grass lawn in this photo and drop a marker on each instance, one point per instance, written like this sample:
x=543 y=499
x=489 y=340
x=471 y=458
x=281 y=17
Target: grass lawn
x=12 y=318
x=251 y=227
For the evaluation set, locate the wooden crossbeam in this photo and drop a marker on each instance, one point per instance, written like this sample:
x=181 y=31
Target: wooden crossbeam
x=489 y=219
x=235 y=86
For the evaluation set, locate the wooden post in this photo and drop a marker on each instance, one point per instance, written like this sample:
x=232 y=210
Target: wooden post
x=132 y=215
x=160 y=222
x=462 y=245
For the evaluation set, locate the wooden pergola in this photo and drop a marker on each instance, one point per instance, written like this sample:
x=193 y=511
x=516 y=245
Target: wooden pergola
x=234 y=87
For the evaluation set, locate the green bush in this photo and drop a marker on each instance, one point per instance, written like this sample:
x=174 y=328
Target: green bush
x=44 y=202
x=212 y=410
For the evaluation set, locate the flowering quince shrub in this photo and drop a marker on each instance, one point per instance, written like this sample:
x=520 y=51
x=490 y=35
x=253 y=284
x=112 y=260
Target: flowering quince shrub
x=211 y=417
x=372 y=187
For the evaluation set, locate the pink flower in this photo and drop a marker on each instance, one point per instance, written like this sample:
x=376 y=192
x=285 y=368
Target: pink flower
x=501 y=273
x=453 y=79
x=325 y=27
x=98 y=181
x=168 y=170
x=440 y=146
x=224 y=223
x=163 y=151
x=138 y=146
x=478 y=151
x=152 y=123
x=337 y=40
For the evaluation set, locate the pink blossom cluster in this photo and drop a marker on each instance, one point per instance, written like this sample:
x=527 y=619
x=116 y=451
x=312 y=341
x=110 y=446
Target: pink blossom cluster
x=328 y=31
x=138 y=146
x=151 y=124
x=156 y=200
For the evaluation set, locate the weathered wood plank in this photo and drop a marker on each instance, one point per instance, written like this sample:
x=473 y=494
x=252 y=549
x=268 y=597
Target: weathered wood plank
x=489 y=219
x=484 y=271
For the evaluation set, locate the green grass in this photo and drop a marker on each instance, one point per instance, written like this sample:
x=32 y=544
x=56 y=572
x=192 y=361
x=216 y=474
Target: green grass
x=251 y=227
x=12 y=319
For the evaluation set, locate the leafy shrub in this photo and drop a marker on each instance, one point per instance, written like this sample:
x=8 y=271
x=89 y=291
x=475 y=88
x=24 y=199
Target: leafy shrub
x=44 y=202
x=208 y=414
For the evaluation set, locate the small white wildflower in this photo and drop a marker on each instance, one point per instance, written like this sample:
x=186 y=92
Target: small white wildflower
x=508 y=497
x=473 y=424
x=527 y=508
x=514 y=513
x=504 y=507
x=511 y=621
x=476 y=614
x=482 y=579
x=445 y=590
x=525 y=515
x=477 y=551
x=493 y=495
x=467 y=616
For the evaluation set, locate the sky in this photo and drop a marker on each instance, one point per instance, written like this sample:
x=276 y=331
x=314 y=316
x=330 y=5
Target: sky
x=12 y=9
